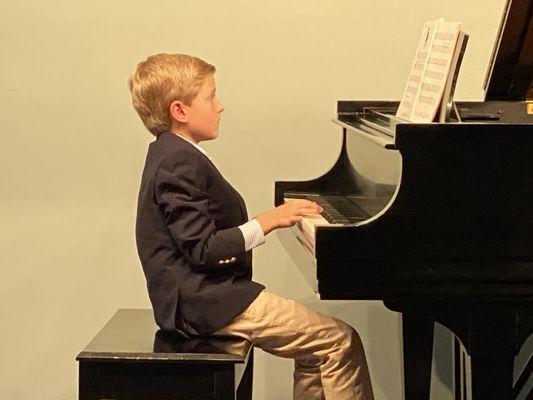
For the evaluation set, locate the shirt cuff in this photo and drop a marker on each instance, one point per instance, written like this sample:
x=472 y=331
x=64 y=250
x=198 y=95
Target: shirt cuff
x=253 y=234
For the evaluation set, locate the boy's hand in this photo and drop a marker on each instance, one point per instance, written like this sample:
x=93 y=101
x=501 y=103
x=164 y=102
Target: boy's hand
x=287 y=214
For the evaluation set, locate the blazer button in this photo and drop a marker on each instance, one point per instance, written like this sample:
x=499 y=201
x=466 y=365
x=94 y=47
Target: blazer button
x=233 y=259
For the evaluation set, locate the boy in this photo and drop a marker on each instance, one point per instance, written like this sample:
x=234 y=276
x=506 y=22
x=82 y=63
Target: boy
x=194 y=240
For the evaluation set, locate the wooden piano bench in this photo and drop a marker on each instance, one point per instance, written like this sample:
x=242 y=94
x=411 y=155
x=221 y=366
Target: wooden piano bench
x=131 y=359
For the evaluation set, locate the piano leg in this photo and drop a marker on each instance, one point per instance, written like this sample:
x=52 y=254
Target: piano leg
x=417 y=331
x=492 y=355
x=492 y=378
x=491 y=333
x=459 y=371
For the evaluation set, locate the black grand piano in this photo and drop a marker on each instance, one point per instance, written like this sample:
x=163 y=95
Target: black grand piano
x=436 y=220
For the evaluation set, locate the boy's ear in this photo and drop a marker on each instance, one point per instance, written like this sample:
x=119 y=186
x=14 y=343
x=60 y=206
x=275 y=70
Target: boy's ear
x=178 y=111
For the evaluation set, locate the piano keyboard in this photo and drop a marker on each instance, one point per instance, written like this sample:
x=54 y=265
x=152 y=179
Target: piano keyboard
x=338 y=210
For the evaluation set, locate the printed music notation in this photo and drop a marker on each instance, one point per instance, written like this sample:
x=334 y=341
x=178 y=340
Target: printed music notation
x=430 y=70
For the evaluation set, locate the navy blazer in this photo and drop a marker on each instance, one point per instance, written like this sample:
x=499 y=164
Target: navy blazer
x=191 y=249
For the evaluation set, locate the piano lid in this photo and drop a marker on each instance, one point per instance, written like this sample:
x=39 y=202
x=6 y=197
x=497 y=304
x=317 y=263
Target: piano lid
x=510 y=72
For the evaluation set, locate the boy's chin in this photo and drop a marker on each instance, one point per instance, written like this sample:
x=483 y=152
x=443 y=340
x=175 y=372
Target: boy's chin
x=204 y=137
x=211 y=136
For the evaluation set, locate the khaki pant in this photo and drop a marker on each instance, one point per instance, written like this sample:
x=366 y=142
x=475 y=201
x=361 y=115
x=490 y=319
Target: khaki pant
x=328 y=354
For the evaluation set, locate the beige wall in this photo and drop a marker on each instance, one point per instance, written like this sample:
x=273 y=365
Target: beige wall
x=72 y=150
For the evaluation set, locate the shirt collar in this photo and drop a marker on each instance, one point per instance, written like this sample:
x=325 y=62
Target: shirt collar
x=200 y=149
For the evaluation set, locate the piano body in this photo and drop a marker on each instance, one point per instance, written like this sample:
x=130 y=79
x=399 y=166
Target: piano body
x=436 y=220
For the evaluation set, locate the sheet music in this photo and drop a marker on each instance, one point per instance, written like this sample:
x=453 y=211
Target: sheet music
x=414 y=82
x=429 y=71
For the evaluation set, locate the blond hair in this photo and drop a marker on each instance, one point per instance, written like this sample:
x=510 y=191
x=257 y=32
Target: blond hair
x=162 y=79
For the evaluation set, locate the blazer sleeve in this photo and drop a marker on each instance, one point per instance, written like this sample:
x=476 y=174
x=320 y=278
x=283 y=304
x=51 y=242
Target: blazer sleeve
x=181 y=196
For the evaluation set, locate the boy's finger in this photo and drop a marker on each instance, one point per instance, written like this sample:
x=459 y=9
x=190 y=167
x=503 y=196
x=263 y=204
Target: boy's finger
x=310 y=210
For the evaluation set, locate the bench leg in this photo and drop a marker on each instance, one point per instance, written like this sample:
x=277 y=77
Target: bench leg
x=246 y=385
x=87 y=384
x=224 y=384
